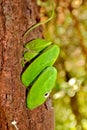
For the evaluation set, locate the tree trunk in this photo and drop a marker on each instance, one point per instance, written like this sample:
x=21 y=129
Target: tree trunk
x=15 y=17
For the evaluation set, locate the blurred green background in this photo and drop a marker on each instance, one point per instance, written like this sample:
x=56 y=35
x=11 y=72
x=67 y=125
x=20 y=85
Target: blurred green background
x=68 y=30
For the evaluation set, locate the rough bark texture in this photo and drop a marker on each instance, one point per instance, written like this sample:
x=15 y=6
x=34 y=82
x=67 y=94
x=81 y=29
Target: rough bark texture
x=15 y=17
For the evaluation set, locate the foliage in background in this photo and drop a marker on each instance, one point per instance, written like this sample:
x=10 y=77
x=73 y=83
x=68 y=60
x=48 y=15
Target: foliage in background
x=68 y=30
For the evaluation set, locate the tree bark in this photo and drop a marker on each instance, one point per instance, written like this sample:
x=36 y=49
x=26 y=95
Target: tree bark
x=15 y=17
